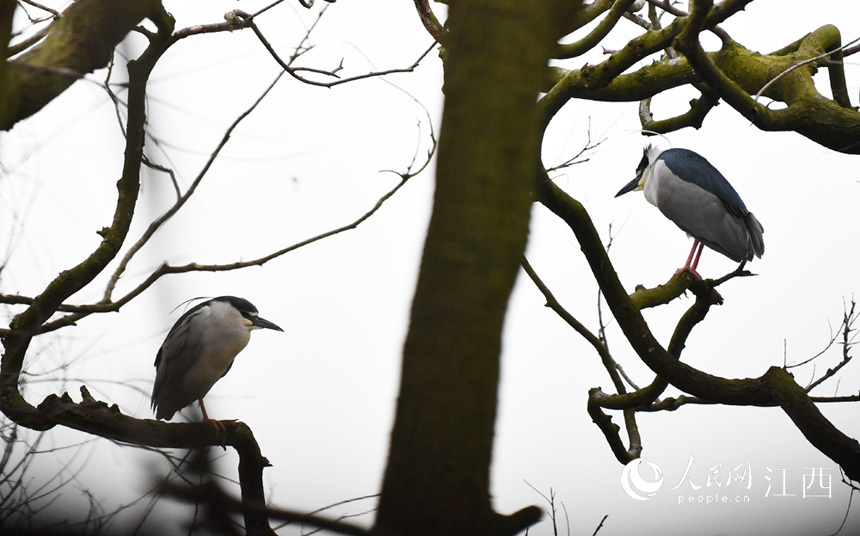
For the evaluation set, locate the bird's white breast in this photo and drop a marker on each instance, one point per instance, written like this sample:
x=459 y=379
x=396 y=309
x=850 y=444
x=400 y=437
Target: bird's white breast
x=226 y=334
x=653 y=175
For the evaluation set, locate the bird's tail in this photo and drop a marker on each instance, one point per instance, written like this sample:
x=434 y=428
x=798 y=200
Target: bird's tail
x=756 y=230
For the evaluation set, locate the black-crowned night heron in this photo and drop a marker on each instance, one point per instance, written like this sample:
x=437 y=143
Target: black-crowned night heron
x=692 y=193
x=199 y=350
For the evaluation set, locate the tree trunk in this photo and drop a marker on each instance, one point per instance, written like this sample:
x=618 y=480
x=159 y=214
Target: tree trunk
x=437 y=478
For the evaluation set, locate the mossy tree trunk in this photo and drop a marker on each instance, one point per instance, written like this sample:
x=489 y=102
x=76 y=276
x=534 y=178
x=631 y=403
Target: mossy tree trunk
x=82 y=40
x=437 y=478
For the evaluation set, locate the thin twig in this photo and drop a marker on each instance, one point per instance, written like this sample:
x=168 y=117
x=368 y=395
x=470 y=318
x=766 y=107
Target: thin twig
x=293 y=71
x=626 y=377
x=578 y=157
x=155 y=225
x=600 y=525
x=23 y=45
x=848 y=320
x=165 y=269
x=330 y=506
x=53 y=12
x=827 y=346
x=799 y=65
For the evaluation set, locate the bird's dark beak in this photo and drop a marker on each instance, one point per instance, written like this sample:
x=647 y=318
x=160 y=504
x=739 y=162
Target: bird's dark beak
x=630 y=186
x=263 y=323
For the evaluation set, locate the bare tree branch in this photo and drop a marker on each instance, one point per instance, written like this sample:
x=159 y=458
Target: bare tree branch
x=429 y=20
x=155 y=225
x=248 y=20
x=774 y=387
x=848 y=320
x=80 y=311
x=25 y=325
x=45 y=71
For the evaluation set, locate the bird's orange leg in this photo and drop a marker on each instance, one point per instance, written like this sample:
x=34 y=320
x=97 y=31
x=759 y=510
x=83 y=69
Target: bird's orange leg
x=696 y=260
x=220 y=429
x=690 y=265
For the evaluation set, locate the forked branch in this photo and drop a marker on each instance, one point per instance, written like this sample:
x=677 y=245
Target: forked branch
x=774 y=388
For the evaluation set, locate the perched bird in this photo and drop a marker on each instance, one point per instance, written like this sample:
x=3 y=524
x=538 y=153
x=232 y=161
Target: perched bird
x=692 y=193
x=199 y=350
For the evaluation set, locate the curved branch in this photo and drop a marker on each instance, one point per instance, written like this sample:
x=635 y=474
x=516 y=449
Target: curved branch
x=28 y=323
x=591 y=79
x=733 y=392
x=603 y=421
x=212 y=494
x=429 y=20
x=819 y=431
x=80 y=41
x=155 y=225
x=808 y=112
x=694 y=117
x=7 y=12
x=610 y=430
x=95 y=417
x=836 y=73
x=294 y=71
x=835 y=69
x=733 y=74
x=79 y=312
x=706 y=296
x=588 y=13
x=645 y=399
x=82 y=311
x=553 y=303
x=645 y=298
x=578 y=48
x=666 y=6
x=775 y=387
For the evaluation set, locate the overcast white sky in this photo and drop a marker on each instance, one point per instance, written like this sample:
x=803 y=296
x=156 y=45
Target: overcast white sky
x=320 y=397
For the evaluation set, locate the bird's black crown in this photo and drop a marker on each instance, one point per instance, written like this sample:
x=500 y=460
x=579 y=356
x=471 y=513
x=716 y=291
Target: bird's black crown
x=241 y=304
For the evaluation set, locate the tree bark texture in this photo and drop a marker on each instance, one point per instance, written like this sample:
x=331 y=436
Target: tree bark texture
x=80 y=41
x=437 y=478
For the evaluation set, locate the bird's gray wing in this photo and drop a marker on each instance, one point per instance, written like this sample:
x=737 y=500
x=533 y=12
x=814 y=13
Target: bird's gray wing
x=179 y=352
x=756 y=230
x=694 y=168
x=706 y=217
